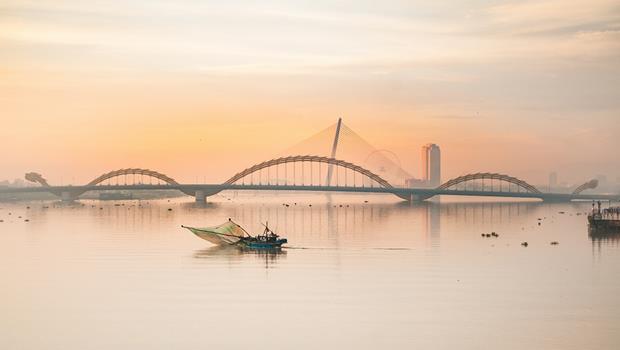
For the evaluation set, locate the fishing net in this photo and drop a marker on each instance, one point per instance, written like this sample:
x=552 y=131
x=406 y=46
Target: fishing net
x=226 y=233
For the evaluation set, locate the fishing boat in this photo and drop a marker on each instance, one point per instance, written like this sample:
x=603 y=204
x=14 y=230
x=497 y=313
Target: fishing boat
x=604 y=219
x=230 y=233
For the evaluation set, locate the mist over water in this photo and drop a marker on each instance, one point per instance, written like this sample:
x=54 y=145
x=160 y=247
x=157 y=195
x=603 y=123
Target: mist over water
x=104 y=275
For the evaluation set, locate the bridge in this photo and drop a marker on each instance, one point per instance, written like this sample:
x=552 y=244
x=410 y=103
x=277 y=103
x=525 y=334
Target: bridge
x=310 y=173
x=317 y=173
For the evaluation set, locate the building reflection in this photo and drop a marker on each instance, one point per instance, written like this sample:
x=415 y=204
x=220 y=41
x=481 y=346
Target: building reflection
x=431 y=221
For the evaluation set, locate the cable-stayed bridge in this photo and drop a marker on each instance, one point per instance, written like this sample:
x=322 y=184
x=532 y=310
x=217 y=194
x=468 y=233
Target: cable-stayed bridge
x=318 y=173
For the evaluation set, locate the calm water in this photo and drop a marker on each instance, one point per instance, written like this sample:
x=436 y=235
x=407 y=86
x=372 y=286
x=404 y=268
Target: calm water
x=96 y=275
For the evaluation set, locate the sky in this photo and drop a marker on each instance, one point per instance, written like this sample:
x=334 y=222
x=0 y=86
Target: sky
x=201 y=89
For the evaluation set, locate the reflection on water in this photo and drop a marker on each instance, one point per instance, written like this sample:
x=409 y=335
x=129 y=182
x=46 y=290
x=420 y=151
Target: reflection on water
x=603 y=237
x=115 y=275
x=236 y=254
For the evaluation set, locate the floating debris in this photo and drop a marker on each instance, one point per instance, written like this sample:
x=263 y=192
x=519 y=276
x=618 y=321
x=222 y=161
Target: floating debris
x=494 y=234
x=27 y=207
x=488 y=235
x=26 y=220
x=169 y=209
x=524 y=244
x=554 y=243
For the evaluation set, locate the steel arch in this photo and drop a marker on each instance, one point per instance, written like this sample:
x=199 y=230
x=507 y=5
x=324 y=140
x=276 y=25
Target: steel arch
x=133 y=171
x=586 y=186
x=492 y=176
x=37 y=178
x=315 y=159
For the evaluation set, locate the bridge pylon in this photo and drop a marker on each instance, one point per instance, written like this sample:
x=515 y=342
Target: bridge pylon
x=67 y=196
x=200 y=196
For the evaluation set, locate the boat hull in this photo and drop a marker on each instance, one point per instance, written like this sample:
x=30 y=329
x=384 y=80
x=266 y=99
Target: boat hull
x=604 y=224
x=262 y=245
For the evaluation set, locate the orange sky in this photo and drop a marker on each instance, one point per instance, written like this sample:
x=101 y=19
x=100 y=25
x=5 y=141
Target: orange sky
x=202 y=90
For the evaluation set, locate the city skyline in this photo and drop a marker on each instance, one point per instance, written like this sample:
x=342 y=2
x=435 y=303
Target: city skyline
x=523 y=88
x=422 y=166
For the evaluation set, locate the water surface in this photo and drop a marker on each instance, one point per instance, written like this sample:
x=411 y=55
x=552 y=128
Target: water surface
x=124 y=275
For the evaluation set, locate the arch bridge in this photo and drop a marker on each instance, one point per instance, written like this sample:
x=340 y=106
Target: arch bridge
x=492 y=179
x=308 y=173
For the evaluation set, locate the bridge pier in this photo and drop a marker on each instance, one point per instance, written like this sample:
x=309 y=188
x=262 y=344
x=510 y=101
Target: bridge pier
x=200 y=196
x=414 y=198
x=66 y=196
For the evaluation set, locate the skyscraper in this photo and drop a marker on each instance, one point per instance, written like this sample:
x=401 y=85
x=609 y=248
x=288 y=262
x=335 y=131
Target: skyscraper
x=431 y=164
x=553 y=180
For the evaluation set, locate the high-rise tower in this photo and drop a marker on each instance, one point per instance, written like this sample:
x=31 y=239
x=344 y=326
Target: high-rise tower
x=431 y=164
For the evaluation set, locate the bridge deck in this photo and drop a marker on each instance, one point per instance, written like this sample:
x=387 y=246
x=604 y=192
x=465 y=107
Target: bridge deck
x=405 y=193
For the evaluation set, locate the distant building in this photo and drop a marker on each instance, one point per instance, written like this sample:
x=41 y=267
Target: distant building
x=553 y=180
x=19 y=183
x=431 y=165
x=414 y=183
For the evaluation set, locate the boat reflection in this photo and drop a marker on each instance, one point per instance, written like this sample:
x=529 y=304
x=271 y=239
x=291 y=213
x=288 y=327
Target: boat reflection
x=603 y=235
x=236 y=254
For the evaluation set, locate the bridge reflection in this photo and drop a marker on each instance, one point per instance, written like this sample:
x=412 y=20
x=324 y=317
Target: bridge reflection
x=307 y=173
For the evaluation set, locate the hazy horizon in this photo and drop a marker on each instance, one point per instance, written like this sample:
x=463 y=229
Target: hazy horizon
x=200 y=90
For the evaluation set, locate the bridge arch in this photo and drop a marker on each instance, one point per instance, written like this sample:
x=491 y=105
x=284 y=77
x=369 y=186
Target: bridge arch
x=133 y=171
x=37 y=178
x=492 y=176
x=316 y=159
x=592 y=184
